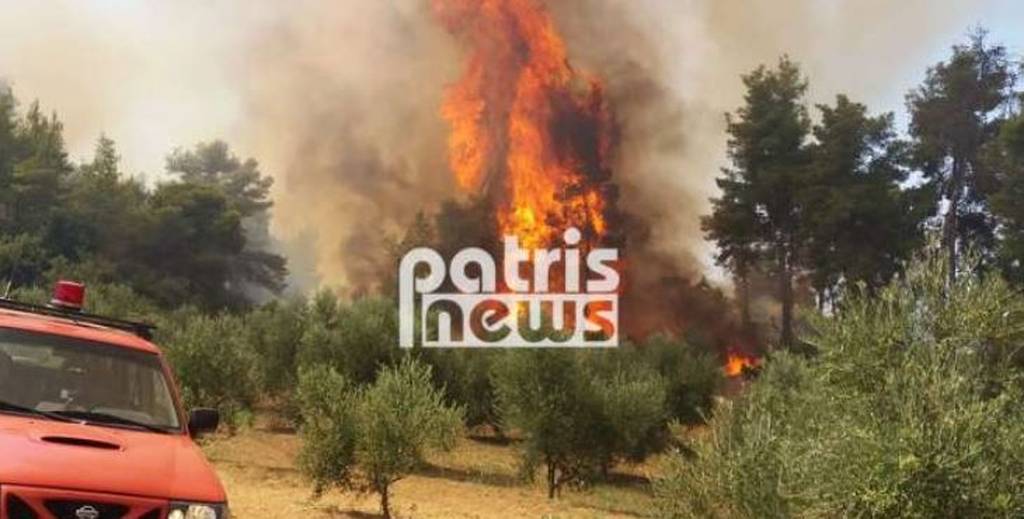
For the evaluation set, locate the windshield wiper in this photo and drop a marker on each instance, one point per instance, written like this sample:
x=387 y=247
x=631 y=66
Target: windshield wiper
x=11 y=406
x=95 y=418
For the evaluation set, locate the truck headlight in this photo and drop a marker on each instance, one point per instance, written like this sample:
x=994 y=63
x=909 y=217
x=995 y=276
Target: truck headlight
x=184 y=510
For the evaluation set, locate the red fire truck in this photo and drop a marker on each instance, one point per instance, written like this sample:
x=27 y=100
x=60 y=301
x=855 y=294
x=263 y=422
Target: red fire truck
x=91 y=421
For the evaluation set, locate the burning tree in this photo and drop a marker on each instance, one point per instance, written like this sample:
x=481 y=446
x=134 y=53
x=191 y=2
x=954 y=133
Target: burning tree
x=533 y=140
x=528 y=131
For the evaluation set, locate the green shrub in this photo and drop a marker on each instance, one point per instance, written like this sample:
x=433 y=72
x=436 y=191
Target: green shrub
x=122 y=302
x=693 y=377
x=355 y=339
x=385 y=429
x=632 y=401
x=544 y=395
x=275 y=333
x=112 y=300
x=579 y=412
x=213 y=362
x=911 y=409
x=328 y=403
x=22 y=259
x=465 y=375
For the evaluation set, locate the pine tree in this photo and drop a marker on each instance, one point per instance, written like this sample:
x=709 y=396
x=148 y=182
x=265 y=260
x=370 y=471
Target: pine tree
x=954 y=113
x=758 y=215
x=858 y=224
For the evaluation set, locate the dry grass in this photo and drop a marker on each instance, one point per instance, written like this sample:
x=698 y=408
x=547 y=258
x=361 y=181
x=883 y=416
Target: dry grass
x=477 y=479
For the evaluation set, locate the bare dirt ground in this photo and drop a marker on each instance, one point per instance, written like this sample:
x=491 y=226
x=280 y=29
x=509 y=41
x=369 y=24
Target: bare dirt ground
x=477 y=479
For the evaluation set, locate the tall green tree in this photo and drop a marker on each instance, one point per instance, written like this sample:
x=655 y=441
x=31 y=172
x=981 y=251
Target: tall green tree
x=758 y=215
x=858 y=224
x=247 y=192
x=733 y=227
x=954 y=113
x=1006 y=159
x=104 y=214
x=194 y=239
x=213 y=163
x=40 y=167
x=8 y=139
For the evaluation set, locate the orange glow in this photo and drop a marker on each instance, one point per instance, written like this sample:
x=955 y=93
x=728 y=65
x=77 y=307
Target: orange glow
x=527 y=129
x=736 y=362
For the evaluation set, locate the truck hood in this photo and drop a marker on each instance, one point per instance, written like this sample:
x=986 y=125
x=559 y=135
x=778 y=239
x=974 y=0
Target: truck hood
x=45 y=453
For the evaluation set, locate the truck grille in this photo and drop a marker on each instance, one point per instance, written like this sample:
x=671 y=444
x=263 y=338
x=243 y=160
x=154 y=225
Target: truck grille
x=44 y=503
x=63 y=509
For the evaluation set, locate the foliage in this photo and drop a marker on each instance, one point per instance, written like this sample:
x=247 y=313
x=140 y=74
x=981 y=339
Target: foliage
x=954 y=114
x=910 y=410
x=123 y=302
x=247 y=193
x=192 y=215
x=197 y=239
x=758 y=213
x=327 y=401
x=274 y=331
x=860 y=224
x=1005 y=158
x=544 y=395
x=692 y=377
x=466 y=378
x=633 y=415
x=385 y=428
x=214 y=363
x=579 y=412
x=832 y=208
x=356 y=339
x=22 y=258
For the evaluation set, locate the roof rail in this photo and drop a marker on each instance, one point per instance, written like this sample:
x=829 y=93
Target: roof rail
x=144 y=330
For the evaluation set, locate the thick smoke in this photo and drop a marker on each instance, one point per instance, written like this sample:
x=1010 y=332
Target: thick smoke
x=345 y=101
x=339 y=100
x=349 y=105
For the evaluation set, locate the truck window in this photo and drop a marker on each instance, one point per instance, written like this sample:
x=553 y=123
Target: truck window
x=60 y=374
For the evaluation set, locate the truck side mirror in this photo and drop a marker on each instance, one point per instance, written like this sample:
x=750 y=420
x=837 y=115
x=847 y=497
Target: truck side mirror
x=203 y=420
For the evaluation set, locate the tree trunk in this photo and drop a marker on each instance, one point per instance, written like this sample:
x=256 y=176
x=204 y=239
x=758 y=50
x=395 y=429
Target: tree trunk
x=551 y=480
x=385 y=507
x=950 y=233
x=786 y=297
x=743 y=277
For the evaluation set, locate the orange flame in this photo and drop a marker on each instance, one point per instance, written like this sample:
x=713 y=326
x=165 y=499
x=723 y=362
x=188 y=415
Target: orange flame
x=735 y=363
x=527 y=129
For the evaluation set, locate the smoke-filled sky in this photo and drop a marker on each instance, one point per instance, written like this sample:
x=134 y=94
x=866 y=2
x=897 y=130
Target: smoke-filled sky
x=338 y=99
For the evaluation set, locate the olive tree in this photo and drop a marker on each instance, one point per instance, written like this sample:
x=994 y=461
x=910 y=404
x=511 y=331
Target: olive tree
x=579 y=412
x=911 y=408
x=367 y=439
x=214 y=364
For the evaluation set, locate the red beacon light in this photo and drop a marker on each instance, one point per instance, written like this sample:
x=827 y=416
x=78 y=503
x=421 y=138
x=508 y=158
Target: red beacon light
x=68 y=295
x=67 y=302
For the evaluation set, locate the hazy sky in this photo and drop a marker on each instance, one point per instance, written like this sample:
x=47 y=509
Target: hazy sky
x=154 y=75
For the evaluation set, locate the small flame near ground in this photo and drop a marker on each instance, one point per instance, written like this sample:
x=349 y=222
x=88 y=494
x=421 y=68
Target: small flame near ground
x=736 y=363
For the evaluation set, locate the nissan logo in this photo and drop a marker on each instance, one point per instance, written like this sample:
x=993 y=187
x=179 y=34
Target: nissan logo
x=87 y=512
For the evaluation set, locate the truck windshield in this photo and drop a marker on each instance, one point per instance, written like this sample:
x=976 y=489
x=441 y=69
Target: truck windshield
x=100 y=383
